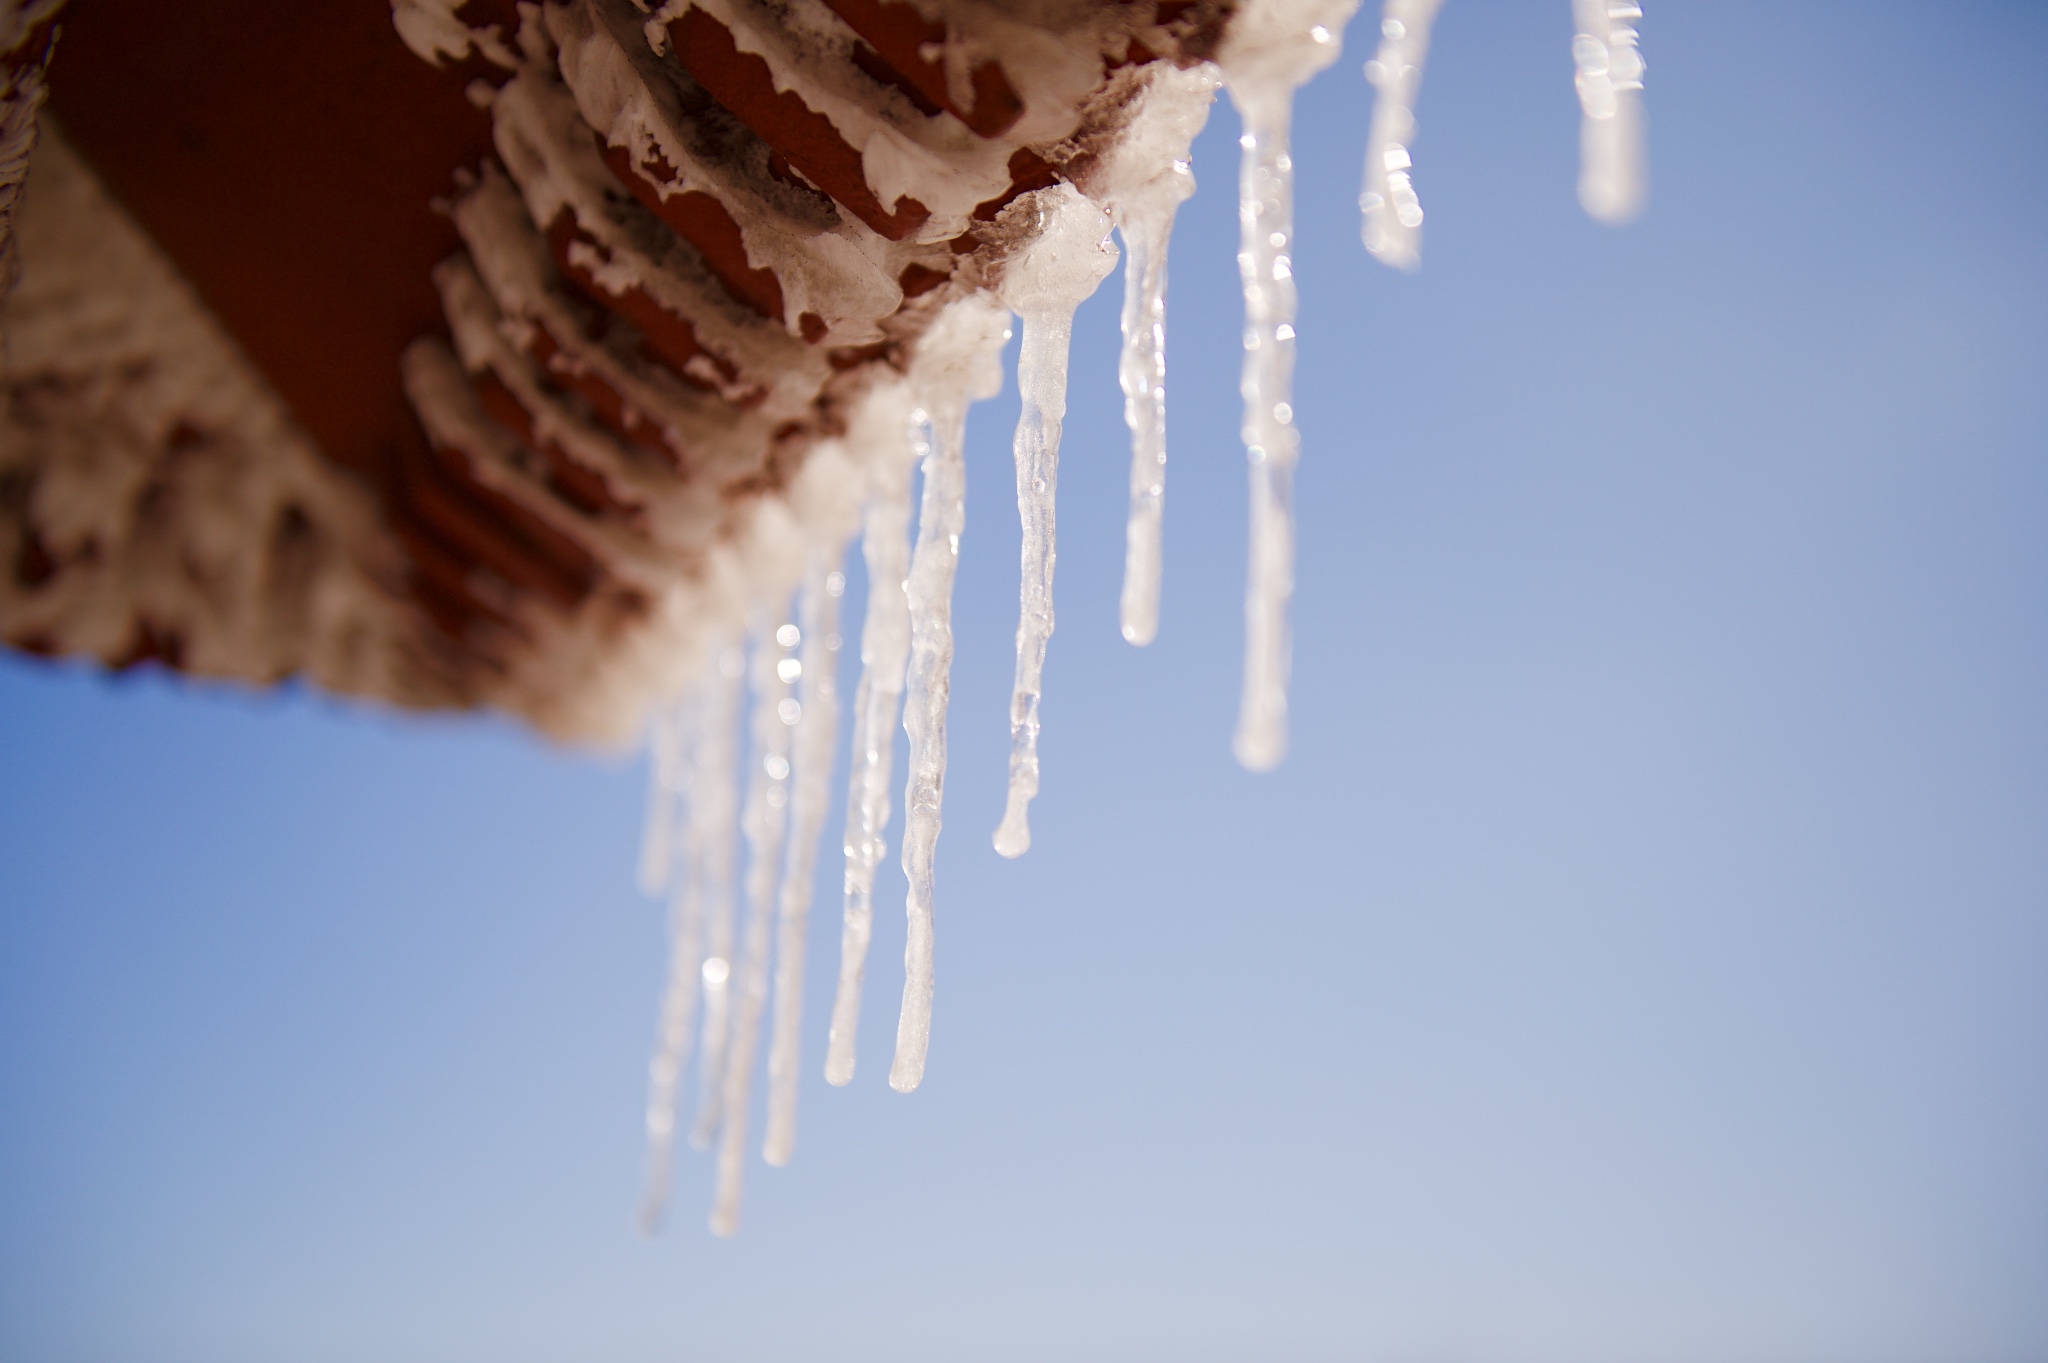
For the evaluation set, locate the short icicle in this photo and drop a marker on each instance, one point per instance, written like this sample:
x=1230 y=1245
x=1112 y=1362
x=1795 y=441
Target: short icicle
x=1391 y=213
x=884 y=649
x=812 y=748
x=713 y=816
x=1263 y=63
x=1612 y=173
x=1044 y=285
x=679 y=1000
x=764 y=824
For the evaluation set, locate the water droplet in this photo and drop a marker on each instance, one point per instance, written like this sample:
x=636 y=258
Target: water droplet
x=1394 y=30
x=716 y=972
x=835 y=585
x=789 y=636
x=789 y=669
x=790 y=709
x=777 y=766
x=1283 y=412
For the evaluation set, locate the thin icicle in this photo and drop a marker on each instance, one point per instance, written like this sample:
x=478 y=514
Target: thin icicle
x=971 y=337
x=764 y=824
x=1265 y=213
x=1061 y=267
x=1392 y=215
x=813 y=746
x=664 y=779
x=1142 y=371
x=884 y=648
x=713 y=814
x=1145 y=180
x=1267 y=61
x=685 y=966
x=928 y=686
x=1612 y=179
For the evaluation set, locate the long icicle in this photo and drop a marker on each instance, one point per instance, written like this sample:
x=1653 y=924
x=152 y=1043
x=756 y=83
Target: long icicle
x=1391 y=214
x=927 y=688
x=968 y=340
x=1061 y=267
x=1262 y=75
x=1612 y=170
x=664 y=780
x=884 y=649
x=1144 y=199
x=1141 y=369
x=813 y=746
x=714 y=816
x=764 y=824
x=1265 y=215
x=679 y=1001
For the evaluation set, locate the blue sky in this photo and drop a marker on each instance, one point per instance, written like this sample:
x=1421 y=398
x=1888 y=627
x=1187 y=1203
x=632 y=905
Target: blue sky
x=1640 y=956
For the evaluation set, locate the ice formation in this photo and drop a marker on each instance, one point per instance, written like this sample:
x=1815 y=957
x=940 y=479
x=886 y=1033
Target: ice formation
x=1387 y=202
x=811 y=751
x=884 y=653
x=1612 y=182
x=1264 y=63
x=928 y=681
x=900 y=459
x=1044 y=284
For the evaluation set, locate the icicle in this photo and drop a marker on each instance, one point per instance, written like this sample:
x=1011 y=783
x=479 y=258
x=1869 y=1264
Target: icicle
x=927 y=687
x=1392 y=225
x=813 y=745
x=1142 y=371
x=970 y=338
x=1045 y=284
x=685 y=964
x=1145 y=179
x=663 y=780
x=714 y=806
x=764 y=823
x=1610 y=82
x=1269 y=59
x=884 y=647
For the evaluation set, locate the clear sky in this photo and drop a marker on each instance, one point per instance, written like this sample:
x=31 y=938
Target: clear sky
x=1642 y=956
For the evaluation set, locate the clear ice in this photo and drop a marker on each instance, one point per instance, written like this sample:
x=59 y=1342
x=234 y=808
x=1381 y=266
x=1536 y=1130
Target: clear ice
x=664 y=779
x=1056 y=272
x=764 y=825
x=1391 y=213
x=680 y=735
x=811 y=751
x=714 y=809
x=928 y=685
x=1141 y=369
x=884 y=649
x=1612 y=178
x=1266 y=264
